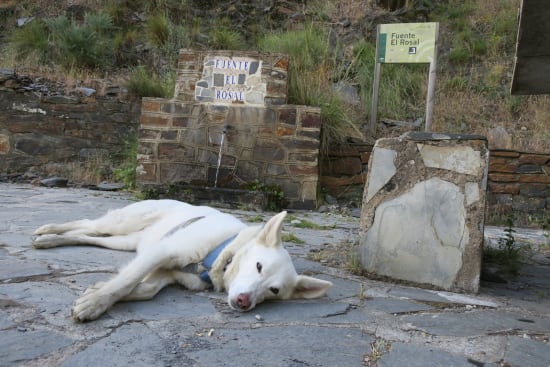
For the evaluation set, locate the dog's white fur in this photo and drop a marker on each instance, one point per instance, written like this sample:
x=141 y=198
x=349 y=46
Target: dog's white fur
x=254 y=267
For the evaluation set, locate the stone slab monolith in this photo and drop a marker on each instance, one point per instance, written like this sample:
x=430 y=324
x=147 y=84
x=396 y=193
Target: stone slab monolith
x=423 y=210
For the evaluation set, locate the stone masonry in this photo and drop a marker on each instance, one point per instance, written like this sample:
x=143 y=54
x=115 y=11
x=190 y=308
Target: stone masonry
x=44 y=132
x=519 y=183
x=264 y=140
x=423 y=210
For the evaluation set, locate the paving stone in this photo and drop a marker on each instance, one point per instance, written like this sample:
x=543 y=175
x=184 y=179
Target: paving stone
x=284 y=346
x=304 y=311
x=5 y=321
x=18 y=346
x=171 y=303
x=129 y=345
x=50 y=300
x=183 y=328
x=416 y=294
x=11 y=268
x=342 y=288
x=396 y=306
x=526 y=352
x=478 y=322
x=410 y=355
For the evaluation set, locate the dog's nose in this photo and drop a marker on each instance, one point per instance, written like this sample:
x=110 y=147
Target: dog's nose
x=243 y=301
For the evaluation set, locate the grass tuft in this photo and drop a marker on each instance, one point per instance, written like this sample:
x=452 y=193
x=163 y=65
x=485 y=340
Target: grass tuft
x=145 y=84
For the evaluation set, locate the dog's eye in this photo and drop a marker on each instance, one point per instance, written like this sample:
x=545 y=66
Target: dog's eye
x=227 y=263
x=259 y=267
x=274 y=290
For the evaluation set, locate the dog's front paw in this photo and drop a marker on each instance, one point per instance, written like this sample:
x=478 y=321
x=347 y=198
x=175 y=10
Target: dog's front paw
x=44 y=241
x=46 y=229
x=91 y=305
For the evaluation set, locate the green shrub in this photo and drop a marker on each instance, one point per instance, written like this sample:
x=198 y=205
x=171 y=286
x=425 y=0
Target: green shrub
x=67 y=43
x=87 y=45
x=311 y=75
x=456 y=83
x=402 y=88
x=126 y=169
x=223 y=38
x=459 y=55
x=31 y=39
x=509 y=254
x=146 y=84
x=158 y=30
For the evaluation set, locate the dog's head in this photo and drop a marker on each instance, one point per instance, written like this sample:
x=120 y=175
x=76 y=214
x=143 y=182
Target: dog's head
x=263 y=270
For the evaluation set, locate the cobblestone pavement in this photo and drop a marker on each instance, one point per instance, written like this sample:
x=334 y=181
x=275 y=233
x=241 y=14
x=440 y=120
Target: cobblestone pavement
x=361 y=322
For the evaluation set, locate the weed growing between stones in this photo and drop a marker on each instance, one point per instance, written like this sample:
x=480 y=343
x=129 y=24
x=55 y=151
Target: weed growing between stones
x=126 y=170
x=379 y=347
x=544 y=223
x=255 y=219
x=275 y=195
x=143 y=83
x=306 y=224
x=291 y=237
x=508 y=254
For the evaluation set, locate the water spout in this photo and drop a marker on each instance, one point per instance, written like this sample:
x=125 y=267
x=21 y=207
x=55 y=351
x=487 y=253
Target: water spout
x=220 y=153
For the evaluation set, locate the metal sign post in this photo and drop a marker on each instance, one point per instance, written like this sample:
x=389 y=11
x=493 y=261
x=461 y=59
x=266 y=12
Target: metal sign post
x=406 y=43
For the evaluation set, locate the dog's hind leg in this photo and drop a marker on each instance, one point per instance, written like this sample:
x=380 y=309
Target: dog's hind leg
x=81 y=225
x=97 y=299
x=131 y=218
x=123 y=243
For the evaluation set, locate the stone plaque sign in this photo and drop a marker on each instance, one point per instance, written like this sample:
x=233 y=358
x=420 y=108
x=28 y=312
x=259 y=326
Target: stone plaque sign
x=230 y=80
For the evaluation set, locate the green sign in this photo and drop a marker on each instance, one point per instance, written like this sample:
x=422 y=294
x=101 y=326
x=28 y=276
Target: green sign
x=407 y=42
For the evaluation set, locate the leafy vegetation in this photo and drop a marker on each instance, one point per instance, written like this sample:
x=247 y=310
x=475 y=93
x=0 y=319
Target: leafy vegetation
x=145 y=84
x=477 y=44
x=304 y=223
x=65 y=42
x=275 y=195
x=311 y=74
x=508 y=255
x=126 y=170
x=291 y=237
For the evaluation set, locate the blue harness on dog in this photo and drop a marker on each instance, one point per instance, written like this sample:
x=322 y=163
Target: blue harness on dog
x=211 y=257
x=209 y=260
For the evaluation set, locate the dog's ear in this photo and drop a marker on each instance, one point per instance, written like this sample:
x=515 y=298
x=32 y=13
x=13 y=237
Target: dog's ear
x=309 y=287
x=270 y=235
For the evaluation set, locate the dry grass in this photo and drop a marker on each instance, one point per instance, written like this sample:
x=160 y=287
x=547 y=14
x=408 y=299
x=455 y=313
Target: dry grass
x=474 y=97
x=92 y=170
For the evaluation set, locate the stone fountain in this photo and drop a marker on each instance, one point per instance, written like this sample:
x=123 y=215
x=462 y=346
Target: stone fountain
x=227 y=129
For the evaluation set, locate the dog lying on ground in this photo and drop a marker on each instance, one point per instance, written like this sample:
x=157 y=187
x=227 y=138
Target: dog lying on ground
x=195 y=246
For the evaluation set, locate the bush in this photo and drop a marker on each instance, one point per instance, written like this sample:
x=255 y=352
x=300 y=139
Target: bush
x=222 y=38
x=402 y=89
x=158 y=30
x=311 y=75
x=31 y=39
x=145 y=84
x=64 y=42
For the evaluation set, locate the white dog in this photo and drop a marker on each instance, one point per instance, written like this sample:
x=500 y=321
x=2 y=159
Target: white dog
x=195 y=246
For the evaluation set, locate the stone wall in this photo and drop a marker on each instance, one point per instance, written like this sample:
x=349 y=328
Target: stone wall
x=47 y=131
x=518 y=182
x=519 y=185
x=343 y=169
x=179 y=142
